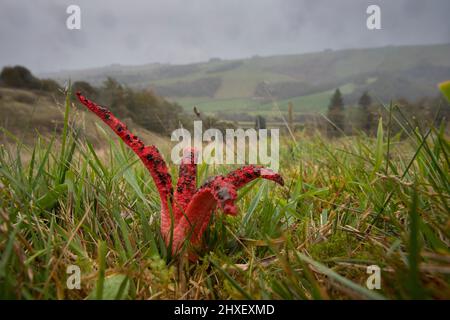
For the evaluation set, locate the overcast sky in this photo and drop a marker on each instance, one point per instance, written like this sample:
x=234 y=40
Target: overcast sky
x=34 y=33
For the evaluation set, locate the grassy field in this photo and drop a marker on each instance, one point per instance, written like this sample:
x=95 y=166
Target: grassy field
x=27 y=114
x=348 y=203
x=311 y=103
x=387 y=72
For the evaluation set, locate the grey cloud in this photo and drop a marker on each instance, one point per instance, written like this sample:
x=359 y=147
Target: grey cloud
x=179 y=31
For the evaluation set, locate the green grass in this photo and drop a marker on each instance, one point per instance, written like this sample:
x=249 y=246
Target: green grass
x=348 y=203
x=311 y=103
x=326 y=70
x=211 y=105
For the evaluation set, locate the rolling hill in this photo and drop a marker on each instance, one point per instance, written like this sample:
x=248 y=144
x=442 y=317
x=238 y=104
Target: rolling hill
x=28 y=114
x=252 y=85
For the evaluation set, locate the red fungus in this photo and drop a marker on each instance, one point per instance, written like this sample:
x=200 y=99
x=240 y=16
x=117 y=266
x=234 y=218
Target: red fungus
x=191 y=207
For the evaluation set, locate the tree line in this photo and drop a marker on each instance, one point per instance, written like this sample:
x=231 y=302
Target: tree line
x=365 y=116
x=144 y=107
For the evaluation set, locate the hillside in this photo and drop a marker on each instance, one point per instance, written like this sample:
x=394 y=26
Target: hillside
x=27 y=114
x=251 y=85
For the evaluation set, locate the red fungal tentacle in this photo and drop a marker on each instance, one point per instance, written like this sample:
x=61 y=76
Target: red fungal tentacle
x=217 y=190
x=200 y=208
x=198 y=212
x=195 y=220
x=149 y=155
x=187 y=182
x=193 y=208
x=223 y=191
x=244 y=175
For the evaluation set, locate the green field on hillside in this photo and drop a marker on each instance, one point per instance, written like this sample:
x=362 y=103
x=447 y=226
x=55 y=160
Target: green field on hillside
x=313 y=103
x=305 y=79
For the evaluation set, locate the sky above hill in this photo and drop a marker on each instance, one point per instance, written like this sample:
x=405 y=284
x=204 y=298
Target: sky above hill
x=132 y=32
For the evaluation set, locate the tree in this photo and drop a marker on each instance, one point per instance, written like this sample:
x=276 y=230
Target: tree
x=260 y=122
x=336 y=114
x=290 y=116
x=49 y=85
x=21 y=77
x=85 y=88
x=365 y=101
x=113 y=95
x=18 y=77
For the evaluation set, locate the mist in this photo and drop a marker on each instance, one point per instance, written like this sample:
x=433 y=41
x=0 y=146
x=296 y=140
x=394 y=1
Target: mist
x=137 y=32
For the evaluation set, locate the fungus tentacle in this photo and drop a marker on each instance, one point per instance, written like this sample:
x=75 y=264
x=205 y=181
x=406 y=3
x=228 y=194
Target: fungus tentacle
x=191 y=207
x=244 y=175
x=149 y=155
x=186 y=184
x=220 y=191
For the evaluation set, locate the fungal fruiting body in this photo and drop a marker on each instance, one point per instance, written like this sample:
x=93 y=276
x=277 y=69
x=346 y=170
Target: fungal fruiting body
x=185 y=211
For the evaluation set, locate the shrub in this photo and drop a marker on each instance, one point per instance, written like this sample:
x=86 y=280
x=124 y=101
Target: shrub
x=18 y=77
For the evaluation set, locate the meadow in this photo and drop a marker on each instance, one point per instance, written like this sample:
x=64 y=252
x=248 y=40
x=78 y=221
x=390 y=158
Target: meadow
x=307 y=80
x=348 y=203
